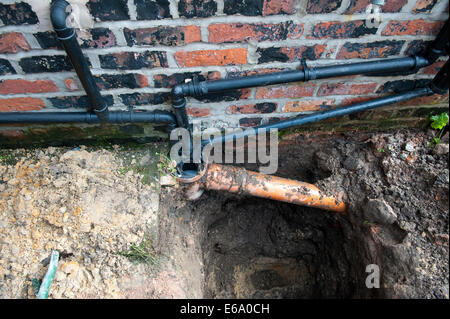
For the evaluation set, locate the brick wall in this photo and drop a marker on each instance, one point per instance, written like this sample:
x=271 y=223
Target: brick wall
x=139 y=49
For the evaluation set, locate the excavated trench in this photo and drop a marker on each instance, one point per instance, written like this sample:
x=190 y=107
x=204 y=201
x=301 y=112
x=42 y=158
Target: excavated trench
x=248 y=247
x=233 y=246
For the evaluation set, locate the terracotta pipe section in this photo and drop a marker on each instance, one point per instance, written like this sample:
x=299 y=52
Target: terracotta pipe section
x=241 y=181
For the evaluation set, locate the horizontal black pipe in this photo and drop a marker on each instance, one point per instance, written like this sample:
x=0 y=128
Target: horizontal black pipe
x=320 y=116
x=68 y=38
x=119 y=117
x=392 y=65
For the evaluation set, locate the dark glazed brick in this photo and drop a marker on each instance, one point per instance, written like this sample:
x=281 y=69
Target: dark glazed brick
x=400 y=86
x=46 y=63
x=290 y=54
x=197 y=8
x=238 y=74
x=359 y=6
x=261 y=108
x=6 y=67
x=169 y=81
x=115 y=81
x=379 y=49
x=134 y=60
x=48 y=40
x=244 y=7
x=341 y=30
x=417 y=47
x=152 y=9
x=96 y=38
x=109 y=10
x=171 y=36
x=250 y=121
x=233 y=95
x=17 y=13
x=137 y=99
x=322 y=6
x=77 y=101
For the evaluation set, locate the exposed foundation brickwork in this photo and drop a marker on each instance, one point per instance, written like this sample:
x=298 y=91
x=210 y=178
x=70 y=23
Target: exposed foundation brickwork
x=139 y=49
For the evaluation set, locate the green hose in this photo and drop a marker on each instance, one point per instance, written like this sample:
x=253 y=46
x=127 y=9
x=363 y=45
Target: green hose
x=49 y=276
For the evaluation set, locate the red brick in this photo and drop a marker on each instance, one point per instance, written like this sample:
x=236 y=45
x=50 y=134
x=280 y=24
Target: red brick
x=413 y=27
x=434 y=68
x=25 y=86
x=238 y=32
x=354 y=100
x=340 y=30
x=21 y=104
x=13 y=42
x=304 y=106
x=424 y=6
x=346 y=89
x=294 y=91
x=272 y=7
x=198 y=112
x=211 y=57
x=258 y=108
x=13 y=134
x=71 y=85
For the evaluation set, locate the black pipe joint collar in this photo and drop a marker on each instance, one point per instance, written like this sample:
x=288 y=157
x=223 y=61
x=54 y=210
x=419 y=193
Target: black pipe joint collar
x=193 y=88
x=59 y=12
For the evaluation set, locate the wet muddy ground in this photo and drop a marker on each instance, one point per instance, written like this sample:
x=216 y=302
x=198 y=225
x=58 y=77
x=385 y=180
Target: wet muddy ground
x=95 y=206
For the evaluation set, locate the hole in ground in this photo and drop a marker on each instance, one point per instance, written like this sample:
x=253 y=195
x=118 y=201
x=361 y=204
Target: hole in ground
x=245 y=247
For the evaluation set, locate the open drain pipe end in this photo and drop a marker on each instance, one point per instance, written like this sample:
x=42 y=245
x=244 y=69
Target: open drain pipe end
x=241 y=181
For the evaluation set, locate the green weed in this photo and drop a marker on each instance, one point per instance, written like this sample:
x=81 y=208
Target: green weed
x=438 y=122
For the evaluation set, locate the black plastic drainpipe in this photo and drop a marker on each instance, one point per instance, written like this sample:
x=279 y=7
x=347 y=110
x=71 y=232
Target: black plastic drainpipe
x=385 y=67
x=59 y=11
x=392 y=65
x=439 y=85
x=118 y=117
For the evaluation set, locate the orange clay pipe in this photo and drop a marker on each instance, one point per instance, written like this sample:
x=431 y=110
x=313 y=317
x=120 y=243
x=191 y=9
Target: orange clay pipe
x=239 y=180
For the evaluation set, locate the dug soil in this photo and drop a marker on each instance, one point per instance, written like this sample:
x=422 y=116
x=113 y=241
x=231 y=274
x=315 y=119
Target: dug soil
x=396 y=186
x=122 y=235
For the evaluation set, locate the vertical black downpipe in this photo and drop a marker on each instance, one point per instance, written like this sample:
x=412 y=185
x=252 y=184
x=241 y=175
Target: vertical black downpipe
x=60 y=9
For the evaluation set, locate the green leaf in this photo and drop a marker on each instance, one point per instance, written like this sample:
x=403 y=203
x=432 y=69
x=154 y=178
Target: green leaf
x=439 y=121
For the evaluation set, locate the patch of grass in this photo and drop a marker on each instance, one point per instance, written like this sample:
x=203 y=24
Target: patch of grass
x=7 y=158
x=166 y=166
x=144 y=252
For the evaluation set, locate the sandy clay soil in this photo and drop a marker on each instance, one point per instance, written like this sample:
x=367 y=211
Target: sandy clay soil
x=121 y=234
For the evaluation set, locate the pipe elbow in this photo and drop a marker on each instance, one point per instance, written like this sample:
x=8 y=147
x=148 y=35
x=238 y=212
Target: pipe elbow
x=58 y=17
x=177 y=91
